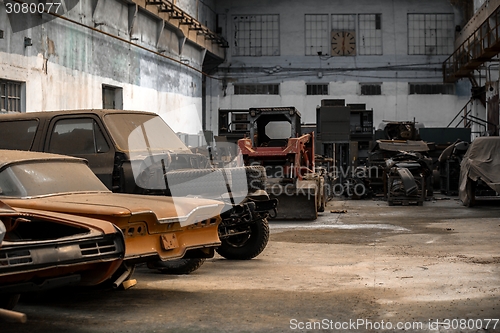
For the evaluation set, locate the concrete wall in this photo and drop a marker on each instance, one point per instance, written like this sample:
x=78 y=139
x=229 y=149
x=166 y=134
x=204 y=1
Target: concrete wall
x=395 y=69
x=67 y=64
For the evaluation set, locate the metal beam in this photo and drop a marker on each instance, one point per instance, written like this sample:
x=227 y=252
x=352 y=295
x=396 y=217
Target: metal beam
x=187 y=25
x=481 y=46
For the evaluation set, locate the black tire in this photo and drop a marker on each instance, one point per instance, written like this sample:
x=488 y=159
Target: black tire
x=256 y=176
x=179 y=266
x=9 y=301
x=251 y=178
x=245 y=247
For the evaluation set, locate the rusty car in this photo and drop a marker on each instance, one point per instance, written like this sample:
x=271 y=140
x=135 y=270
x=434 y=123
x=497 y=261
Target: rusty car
x=136 y=152
x=155 y=228
x=44 y=250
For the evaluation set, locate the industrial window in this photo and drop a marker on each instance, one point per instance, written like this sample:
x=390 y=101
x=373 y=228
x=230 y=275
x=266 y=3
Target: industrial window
x=430 y=34
x=431 y=89
x=11 y=99
x=256 y=89
x=371 y=89
x=256 y=35
x=317 y=89
x=370 y=34
x=112 y=97
x=343 y=35
x=343 y=22
x=316 y=32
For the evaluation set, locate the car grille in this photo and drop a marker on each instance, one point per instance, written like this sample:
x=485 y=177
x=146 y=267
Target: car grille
x=99 y=247
x=41 y=255
x=16 y=258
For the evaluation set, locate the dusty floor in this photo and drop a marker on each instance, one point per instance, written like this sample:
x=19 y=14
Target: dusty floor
x=362 y=270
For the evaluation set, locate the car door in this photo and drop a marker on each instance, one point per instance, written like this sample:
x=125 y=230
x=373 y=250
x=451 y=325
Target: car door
x=82 y=135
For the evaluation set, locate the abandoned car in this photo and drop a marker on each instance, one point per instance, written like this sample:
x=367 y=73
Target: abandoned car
x=42 y=250
x=138 y=153
x=479 y=176
x=159 y=228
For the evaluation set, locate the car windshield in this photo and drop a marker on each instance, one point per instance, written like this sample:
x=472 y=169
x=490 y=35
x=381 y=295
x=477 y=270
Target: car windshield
x=48 y=177
x=143 y=132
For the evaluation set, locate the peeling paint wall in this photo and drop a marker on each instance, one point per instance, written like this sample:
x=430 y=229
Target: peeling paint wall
x=67 y=64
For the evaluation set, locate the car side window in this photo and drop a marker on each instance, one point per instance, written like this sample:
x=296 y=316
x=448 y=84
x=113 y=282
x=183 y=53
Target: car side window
x=76 y=136
x=17 y=134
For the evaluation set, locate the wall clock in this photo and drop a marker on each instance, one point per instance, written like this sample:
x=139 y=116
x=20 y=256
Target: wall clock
x=343 y=43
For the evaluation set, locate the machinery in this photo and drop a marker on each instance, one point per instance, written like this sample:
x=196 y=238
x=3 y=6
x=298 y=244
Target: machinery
x=276 y=142
x=407 y=177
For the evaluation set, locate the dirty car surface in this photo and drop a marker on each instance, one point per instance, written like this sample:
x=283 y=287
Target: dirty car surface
x=155 y=228
x=42 y=250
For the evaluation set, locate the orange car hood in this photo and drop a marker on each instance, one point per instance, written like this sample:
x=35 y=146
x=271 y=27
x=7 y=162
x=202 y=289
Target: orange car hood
x=97 y=224
x=167 y=209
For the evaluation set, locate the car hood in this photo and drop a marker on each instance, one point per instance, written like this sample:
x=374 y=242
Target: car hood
x=167 y=209
x=95 y=225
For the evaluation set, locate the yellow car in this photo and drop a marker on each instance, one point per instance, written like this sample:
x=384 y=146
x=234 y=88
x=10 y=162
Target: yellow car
x=155 y=228
x=43 y=250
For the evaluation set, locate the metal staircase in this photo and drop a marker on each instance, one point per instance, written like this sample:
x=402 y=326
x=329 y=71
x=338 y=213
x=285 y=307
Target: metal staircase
x=480 y=47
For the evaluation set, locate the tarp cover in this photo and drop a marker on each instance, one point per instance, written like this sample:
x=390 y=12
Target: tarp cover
x=482 y=160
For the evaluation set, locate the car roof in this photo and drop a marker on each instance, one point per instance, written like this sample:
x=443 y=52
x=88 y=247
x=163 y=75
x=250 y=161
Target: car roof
x=50 y=114
x=8 y=157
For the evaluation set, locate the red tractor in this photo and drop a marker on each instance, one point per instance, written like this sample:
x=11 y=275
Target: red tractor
x=276 y=143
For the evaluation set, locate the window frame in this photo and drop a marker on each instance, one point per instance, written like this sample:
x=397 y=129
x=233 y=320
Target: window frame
x=265 y=34
x=246 y=89
x=117 y=96
x=445 y=88
x=98 y=137
x=318 y=45
x=315 y=89
x=434 y=33
x=19 y=98
x=370 y=87
x=375 y=35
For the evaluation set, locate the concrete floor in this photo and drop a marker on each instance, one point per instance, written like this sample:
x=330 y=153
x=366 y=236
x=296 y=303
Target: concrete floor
x=366 y=270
